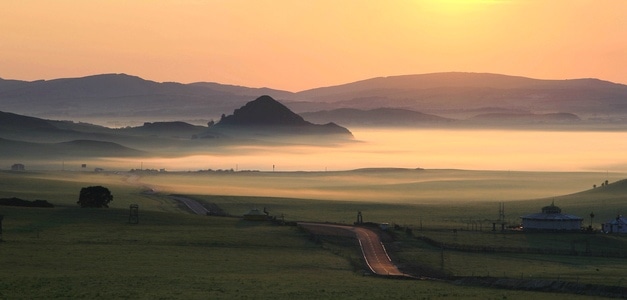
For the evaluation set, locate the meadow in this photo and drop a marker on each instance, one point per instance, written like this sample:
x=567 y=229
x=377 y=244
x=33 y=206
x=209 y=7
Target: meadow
x=69 y=252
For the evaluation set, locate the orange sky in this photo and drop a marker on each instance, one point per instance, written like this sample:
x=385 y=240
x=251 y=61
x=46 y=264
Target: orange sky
x=296 y=45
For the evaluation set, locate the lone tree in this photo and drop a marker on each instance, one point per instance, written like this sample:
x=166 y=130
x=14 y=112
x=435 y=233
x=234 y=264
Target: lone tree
x=95 y=196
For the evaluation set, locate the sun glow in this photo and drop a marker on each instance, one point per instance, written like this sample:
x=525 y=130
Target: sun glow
x=461 y=6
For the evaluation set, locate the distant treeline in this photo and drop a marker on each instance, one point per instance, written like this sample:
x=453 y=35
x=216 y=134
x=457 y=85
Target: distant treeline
x=25 y=203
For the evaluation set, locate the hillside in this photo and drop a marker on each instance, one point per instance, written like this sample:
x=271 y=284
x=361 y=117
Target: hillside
x=604 y=201
x=175 y=129
x=108 y=98
x=455 y=94
x=265 y=115
x=17 y=150
x=525 y=118
x=24 y=136
x=118 y=100
x=375 y=117
x=26 y=128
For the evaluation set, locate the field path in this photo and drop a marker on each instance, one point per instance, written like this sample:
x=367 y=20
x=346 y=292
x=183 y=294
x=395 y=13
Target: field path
x=371 y=247
x=192 y=204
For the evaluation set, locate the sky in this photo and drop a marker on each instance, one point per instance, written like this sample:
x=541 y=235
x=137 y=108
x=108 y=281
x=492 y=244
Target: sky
x=296 y=45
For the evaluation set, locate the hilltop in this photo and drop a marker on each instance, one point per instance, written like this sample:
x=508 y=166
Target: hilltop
x=265 y=115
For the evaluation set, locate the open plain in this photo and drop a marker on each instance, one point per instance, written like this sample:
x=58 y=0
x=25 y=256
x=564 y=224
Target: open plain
x=72 y=252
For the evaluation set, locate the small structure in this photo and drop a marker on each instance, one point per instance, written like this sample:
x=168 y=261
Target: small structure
x=18 y=167
x=133 y=217
x=360 y=219
x=256 y=215
x=618 y=225
x=551 y=219
x=384 y=226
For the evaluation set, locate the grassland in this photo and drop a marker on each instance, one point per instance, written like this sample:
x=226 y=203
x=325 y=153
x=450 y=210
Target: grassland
x=68 y=252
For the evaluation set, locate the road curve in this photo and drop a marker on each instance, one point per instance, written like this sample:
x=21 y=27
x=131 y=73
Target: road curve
x=192 y=204
x=371 y=247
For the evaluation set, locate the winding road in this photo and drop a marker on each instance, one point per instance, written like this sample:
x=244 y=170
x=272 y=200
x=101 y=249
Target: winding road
x=371 y=247
x=192 y=204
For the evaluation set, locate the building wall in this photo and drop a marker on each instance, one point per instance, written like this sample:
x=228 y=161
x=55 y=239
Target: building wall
x=530 y=224
x=614 y=228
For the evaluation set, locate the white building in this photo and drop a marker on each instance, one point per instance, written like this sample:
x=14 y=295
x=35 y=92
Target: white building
x=551 y=219
x=618 y=225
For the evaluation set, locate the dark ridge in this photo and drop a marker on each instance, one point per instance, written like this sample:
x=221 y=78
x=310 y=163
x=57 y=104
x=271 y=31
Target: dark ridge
x=24 y=203
x=263 y=111
x=521 y=117
x=374 y=117
x=96 y=148
x=177 y=125
x=14 y=121
x=267 y=116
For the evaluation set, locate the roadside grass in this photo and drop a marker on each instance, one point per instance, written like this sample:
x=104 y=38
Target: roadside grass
x=414 y=252
x=95 y=253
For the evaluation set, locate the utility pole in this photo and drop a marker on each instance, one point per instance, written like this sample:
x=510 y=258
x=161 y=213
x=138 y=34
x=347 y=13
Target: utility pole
x=1 y=217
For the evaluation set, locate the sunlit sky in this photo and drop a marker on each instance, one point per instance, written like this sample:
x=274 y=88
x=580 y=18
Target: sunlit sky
x=296 y=45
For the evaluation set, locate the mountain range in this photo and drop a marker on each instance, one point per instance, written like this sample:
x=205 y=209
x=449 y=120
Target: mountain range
x=116 y=100
x=263 y=120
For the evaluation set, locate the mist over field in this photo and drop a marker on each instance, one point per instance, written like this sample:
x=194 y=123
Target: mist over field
x=516 y=150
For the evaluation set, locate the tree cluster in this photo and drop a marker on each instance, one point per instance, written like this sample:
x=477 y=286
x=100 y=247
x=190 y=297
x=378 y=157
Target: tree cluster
x=95 y=196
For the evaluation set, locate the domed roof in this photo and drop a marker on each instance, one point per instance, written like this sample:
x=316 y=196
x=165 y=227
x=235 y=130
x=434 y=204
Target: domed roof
x=551 y=209
x=551 y=212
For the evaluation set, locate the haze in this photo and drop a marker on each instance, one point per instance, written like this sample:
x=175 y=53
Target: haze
x=296 y=45
x=515 y=150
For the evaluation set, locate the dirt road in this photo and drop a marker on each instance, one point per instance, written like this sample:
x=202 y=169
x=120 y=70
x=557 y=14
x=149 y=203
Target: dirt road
x=373 y=250
x=192 y=204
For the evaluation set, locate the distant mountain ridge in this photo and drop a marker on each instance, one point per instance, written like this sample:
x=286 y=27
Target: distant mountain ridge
x=120 y=96
x=110 y=97
x=450 y=94
x=263 y=120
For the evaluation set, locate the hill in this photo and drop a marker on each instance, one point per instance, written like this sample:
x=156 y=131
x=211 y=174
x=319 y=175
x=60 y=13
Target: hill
x=107 y=98
x=458 y=95
x=118 y=100
x=176 y=129
x=265 y=115
x=24 y=136
x=375 y=117
x=12 y=149
x=525 y=118
x=26 y=128
x=606 y=201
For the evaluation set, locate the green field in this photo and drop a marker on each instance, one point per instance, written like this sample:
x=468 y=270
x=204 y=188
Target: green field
x=68 y=252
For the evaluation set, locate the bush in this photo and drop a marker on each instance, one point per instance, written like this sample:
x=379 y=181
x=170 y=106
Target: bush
x=95 y=196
